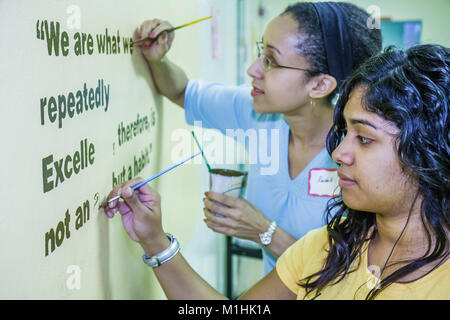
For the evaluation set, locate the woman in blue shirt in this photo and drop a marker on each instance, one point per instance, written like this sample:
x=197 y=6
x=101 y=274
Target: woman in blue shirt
x=304 y=55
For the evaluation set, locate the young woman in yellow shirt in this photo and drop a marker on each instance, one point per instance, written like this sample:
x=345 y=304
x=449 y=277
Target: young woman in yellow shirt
x=388 y=233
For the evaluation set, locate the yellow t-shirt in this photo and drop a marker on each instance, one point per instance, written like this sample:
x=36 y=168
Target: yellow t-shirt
x=308 y=255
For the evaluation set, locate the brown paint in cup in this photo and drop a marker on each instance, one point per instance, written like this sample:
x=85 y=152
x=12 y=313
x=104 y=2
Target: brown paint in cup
x=228 y=182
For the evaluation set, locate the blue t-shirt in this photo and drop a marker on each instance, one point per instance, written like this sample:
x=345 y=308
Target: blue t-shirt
x=297 y=205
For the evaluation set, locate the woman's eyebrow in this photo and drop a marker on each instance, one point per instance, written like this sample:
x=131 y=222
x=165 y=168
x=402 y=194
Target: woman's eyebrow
x=274 y=48
x=363 y=122
x=269 y=46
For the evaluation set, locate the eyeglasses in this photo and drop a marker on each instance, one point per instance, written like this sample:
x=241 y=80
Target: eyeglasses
x=269 y=64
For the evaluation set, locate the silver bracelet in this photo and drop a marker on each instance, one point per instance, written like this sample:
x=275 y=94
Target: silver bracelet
x=164 y=256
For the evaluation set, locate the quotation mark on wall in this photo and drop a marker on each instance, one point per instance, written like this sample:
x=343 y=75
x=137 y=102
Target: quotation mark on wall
x=74 y=18
x=73 y=281
x=373 y=22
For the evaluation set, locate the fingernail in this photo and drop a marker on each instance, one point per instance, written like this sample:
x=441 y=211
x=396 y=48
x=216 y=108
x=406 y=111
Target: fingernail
x=152 y=35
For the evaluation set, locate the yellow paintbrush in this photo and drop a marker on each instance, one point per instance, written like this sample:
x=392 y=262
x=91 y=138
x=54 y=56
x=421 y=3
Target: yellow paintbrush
x=169 y=30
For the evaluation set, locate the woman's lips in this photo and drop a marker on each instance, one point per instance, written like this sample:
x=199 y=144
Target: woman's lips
x=256 y=92
x=345 y=181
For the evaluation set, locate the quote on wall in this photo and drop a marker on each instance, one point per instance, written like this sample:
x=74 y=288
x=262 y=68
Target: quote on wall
x=89 y=98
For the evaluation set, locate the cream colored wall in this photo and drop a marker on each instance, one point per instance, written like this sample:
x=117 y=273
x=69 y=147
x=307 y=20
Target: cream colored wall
x=107 y=264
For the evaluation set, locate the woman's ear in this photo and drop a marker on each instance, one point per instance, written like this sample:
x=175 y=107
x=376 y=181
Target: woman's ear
x=324 y=84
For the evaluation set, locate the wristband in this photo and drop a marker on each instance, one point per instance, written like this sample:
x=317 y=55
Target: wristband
x=164 y=256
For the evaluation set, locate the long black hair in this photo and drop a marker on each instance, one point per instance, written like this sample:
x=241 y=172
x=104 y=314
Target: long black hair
x=411 y=89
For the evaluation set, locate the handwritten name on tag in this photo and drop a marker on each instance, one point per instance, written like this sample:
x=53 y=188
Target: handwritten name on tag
x=323 y=183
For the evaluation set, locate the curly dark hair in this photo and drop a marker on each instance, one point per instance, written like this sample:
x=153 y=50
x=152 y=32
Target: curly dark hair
x=366 y=42
x=411 y=89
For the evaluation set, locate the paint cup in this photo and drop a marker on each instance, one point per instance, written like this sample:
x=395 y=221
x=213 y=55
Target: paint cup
x=228 y=182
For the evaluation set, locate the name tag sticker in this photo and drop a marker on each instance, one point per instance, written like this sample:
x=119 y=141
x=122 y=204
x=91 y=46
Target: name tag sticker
x=323 y=183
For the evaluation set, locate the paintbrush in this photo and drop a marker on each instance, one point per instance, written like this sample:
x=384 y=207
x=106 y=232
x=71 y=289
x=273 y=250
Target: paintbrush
x=140 y=184
x=152 y=40
x=203 y=155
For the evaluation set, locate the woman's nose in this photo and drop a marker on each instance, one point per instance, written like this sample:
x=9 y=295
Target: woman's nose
x=255 y=70
x=342 y=154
